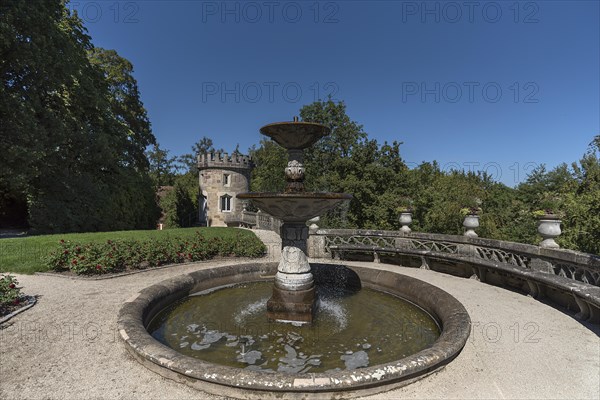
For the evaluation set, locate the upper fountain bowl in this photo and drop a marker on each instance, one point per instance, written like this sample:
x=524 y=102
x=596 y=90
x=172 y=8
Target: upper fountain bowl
x=295 y=207
x=295 y=135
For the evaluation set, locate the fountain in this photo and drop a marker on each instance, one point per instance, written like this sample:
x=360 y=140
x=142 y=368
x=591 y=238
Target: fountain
x=292 y=329
x=293 y=296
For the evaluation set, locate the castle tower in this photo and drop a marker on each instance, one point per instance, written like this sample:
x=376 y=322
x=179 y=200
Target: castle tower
x=222 y=177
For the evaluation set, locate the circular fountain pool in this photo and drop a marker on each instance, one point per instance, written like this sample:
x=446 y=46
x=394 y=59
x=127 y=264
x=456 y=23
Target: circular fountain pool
x=352 y=329
x=358 y=343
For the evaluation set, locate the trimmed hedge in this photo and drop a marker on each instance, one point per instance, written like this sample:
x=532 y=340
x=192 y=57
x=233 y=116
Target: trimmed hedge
x=124 y=254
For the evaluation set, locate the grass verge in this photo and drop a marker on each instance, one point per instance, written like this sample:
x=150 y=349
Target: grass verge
x=28 y=255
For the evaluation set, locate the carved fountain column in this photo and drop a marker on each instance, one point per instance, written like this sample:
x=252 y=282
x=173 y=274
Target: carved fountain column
x=294 y=289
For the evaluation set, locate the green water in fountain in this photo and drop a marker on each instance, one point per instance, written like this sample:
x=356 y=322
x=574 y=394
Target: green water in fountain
x=352 y=329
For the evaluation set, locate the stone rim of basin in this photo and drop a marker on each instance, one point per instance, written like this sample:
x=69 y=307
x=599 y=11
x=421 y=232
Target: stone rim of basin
x=135 y=315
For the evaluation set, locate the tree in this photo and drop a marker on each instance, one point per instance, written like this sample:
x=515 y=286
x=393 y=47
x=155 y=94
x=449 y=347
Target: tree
x=582 y=205
x=127 y=108
x=189 y=161
x=72 y=141
x=162 y=167
x=180 y=205
x=39 y=59
x=346 y=161
x=379 y=180
x=270 y=161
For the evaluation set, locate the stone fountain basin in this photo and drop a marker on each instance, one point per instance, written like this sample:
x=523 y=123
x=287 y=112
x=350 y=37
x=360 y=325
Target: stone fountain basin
x=295 y=207
x=136 y=314
x=295 y=135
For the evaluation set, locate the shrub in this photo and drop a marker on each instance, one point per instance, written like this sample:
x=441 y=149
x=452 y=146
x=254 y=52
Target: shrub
x=10 y=293
x=470 y=211
x=118 y=255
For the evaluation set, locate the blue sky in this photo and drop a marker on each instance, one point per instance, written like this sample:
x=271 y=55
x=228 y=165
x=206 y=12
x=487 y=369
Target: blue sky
x=499 y=86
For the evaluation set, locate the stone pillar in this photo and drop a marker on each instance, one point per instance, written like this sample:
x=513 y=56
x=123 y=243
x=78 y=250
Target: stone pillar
x=376 y=257
x=294 y=290
x=314 y=241
x=316 y=246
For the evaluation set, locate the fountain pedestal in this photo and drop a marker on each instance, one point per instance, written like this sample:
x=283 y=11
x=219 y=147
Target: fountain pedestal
x=291 y=305
x=293 y=297
x=294 y=290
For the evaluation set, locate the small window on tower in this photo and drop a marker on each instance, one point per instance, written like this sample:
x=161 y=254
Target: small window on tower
x=226 y=179
x=225 y=203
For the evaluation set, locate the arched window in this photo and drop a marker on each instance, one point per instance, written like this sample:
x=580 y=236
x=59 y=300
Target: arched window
x=225 y=203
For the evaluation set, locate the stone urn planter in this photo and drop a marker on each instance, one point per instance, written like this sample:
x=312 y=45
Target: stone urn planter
x=405 y=220
x=549 y=229
x=471 y=223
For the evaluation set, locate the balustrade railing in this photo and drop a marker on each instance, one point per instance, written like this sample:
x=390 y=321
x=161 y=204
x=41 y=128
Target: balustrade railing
x=575 y=265
x=256 y=220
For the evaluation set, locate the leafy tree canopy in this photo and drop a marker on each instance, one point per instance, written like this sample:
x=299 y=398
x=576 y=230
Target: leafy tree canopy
x=375 y=174
x=73 y=126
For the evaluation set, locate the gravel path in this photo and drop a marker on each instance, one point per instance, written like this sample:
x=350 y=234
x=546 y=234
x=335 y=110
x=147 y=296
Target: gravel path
x=67 y=345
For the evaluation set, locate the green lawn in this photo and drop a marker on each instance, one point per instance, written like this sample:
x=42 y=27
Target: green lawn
x=26 y=255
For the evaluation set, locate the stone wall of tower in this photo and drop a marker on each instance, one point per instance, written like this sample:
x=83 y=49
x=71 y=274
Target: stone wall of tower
x=222 y=175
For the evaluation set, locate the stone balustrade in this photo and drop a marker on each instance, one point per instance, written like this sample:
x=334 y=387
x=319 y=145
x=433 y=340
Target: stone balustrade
x=568 y=278
x=255 y=220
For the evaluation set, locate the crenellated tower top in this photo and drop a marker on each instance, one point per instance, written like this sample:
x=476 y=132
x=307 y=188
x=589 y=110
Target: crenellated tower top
x=222 y=160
